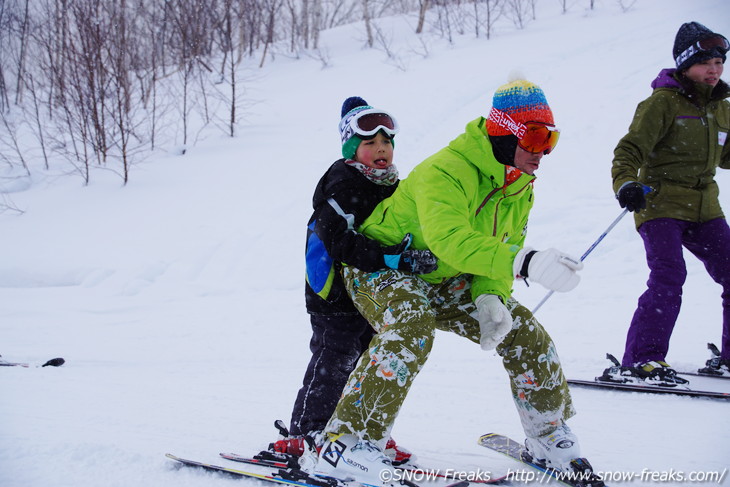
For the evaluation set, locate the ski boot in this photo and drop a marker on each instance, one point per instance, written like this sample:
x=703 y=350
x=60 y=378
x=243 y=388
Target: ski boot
x=399 y=456
x=291 y=445
x=716 y=365
x=559 y=451
x=287 y=449
x=288 y=446
x=657 y=373
x=348 y=457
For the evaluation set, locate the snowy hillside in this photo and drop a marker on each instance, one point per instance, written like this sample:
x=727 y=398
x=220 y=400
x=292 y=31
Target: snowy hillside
x=177 y=301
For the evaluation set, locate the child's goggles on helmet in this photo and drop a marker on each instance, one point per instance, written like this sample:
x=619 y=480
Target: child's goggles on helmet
x=534 y=137
x=708 y=44
x=366 y=123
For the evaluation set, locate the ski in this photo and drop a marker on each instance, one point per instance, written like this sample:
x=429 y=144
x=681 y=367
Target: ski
x=677 y=391
x=299 y=479
x=290 y=476
x=704 y=374
x=4 y=363
x=54 y=362
x=275 y=460
x=282 y=460
x=513 y=449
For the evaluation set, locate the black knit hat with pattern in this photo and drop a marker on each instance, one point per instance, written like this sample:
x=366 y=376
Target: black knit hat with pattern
x=687 y=35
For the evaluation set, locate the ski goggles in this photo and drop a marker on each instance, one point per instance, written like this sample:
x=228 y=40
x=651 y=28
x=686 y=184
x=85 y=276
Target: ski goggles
x=366 y=123
x=534 y=137
x=714 y=42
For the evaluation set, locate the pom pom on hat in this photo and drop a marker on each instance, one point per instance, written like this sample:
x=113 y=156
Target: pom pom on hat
x=352 y=103
x=523 y=101
x=688 y=34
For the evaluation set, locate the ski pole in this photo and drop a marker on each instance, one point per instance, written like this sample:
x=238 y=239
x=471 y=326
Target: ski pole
x=590 y=249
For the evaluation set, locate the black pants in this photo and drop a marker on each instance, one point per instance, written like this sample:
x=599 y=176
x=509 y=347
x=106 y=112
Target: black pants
x=337 y=342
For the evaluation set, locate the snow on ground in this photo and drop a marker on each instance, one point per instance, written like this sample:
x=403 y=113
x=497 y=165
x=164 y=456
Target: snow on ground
x=177 y=301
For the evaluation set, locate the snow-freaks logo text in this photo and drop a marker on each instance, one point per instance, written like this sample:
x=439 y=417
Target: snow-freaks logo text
x=421 y=475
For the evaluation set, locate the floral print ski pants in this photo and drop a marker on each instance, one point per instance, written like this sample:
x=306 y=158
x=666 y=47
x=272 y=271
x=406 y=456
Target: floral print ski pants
x=406 y=311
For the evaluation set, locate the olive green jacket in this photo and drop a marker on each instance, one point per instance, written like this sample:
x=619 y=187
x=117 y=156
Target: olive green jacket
x=464 y=206
x=676 y=141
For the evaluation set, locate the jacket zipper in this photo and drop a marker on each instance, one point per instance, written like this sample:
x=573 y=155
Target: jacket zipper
x=496 y=207
x=489 y=196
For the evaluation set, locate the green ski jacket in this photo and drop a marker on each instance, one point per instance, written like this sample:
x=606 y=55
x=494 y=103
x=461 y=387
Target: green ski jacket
x=467 y=208
x=676 y=141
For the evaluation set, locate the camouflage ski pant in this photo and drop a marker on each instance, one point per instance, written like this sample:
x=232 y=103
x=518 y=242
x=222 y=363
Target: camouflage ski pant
x=406 y=311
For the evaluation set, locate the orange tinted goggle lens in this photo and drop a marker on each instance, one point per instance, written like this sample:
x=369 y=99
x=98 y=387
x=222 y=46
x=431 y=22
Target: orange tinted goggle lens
x=539 y=138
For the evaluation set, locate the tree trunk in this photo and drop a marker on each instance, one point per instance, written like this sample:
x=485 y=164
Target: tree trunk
x=422 y=15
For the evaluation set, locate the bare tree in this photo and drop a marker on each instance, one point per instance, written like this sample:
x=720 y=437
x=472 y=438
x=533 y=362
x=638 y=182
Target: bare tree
x=119 y=53
x=304 y=23
x=444 y=24
x=10 y=140
x=626 y=5
x=385 y=44
x=271 y=7
x=21 y=56
x=3 y=91
x=86 y=77
x=228 y=67
x=517 y=11
x=492 y=10
x=316 y=23
x=6 y=204
x=36 y=117
x=366 y=18
x=423 y=8
x=189 y=37
x=5 y=27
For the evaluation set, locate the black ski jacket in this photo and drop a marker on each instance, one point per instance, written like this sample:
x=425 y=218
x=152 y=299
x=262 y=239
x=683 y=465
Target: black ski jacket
x=343 y=189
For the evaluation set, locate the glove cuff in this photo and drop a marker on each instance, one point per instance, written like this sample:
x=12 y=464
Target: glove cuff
x=522 y=262
x=484 y=297
x=392 y=260
x=481 y=297
x=628 y=183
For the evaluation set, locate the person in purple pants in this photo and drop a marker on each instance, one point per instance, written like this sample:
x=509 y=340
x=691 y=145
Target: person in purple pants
x=663 y=170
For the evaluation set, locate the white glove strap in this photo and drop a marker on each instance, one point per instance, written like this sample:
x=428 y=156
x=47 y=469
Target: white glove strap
x=520 y=260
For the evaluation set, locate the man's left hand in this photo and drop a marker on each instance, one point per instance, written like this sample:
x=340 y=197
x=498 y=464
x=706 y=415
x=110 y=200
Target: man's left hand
x=495 y=320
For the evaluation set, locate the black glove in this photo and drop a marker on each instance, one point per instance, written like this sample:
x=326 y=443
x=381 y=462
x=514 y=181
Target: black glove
x=398 y=249
x=415 y=261
x=418 y=261
x=631 y=196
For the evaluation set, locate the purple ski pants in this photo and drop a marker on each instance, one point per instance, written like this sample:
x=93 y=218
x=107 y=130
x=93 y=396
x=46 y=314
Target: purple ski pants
x=658 y=308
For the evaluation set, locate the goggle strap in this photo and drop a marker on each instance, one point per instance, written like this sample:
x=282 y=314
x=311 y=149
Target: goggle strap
x=505 y=121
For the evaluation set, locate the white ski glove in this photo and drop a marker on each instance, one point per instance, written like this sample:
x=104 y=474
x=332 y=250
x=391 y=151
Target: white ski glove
x=551 y=268
x=495 y=320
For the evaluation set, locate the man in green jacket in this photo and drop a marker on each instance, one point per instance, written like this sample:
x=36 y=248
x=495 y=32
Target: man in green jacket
x=469 y=204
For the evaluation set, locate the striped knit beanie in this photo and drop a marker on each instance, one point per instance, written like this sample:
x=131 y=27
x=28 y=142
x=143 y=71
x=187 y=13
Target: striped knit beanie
x=522 y=101
x=350 y=140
